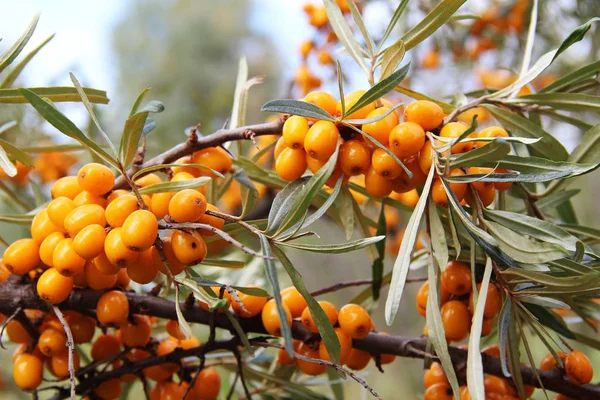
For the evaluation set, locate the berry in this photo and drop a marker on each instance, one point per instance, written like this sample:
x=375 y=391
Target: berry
x=175 y=266
x=165 y=347
x=381 y=130
x=65 y=187
x=279 y=146
x=207 y=385
x=349 y=101
x=435 y=374
x=481 y=186
x=425 y=113
x=109 y=389
x=491 y=132
x=292 y=298
x=487 y=197
x=345 y=347
x=139 y=230
x=17 y=333
x=103 y=264
x=105 y=346
x=307 y=367
x=83 y=216
x=159 y=205
x=47 y=247
x=385 y=165
x=58 y=209
x=42 y=226
x=549 y=362
x=96 y=279
x=493 y=302
x=52 y=342
x=438 y=193
x=28 y=371
x=189 y=248
x=112 y=308
x=502 y=185
x=119 y=209
x=439 y=391
x=452 y=131
x=215 y=158
x=53 y=286
x=22 y=256
x=82 y=328
x=66 y=260
x=355 y=157
x=321 y=140
x=358 y=359
x=495 y=384
x=145 y=268
x=89 y=242
x=426 y=157
x=253 y=305
x=456 y=319
x=270 y=318
x=89 y=198
x=147 y=180
x=322 y=99
x=137 y=333
x=354 y=321
x=188 y=205
x=291 y=164
x=406 y=139
x=330 y=311
x=96 y=178
x=116 y=251
x=456 y=278
x=215 y=222
x=294 y=131
x=579 y=368
x=60 y=364
x=377 y=185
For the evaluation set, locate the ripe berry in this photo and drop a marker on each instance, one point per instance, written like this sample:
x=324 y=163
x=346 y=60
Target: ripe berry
x=549 y=362
x=425 y=113
x=47 y=247
x=358 y=359
x=491 y=132
x=53 y=286
x=145 y=268
x=487 y=197
x=307 y=367
x=456 y=319
x=82 y=327
x=452 y=131
x=404 y=183
x=493 y=301
x=67 y=187
x=105 y=346
x=66 y=260
x=292 y=298
x=439 y=391
x=96 y=279
x=138 y=332
x=215 y=222
x=17 y=333
x=89 y=198
x=96 y=178
x=60 y=364
x=270 y=318
x=426 y=157
x=147 y=180
x=159 y=205
x=355 y=157
x=381 y=129
x=291 y=164
x=495 y=384
x=52 y=342
x=207 y=385
x=215 y=158
x=174 y=265
x=58 y=209
x=41 y=227
x=112 y=308
x=89 y=242
x=345 y=347
x=103 y=264
x=109 y=389
x=354 y=321
x=321 y=140
x=188 y=205
x=377 y=185
x=385 y=165
x=438 y=193
x=28 y=371
x=166 y=347
x=139 y=230
x=119 y=209
x=330 y=311
x=456 y=278
x=116 y=251
x=322 y=99
x=579 y=368
x=350 y=100
x=406 y=139
x=253 y=305
x=83 y=216
x=189 y=248
x=22 y=256
x=435 y=374
x=294 y=131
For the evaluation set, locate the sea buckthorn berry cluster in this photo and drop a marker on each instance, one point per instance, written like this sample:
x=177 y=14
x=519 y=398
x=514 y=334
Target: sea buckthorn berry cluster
x=576 y=365
x=456 y=302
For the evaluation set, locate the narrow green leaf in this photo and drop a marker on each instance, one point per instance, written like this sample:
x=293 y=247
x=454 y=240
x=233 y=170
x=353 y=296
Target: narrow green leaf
x=588 y=150
x=16 y=71
x=13 y=52
x=14 y=153
x=579 y=102
x=239 y=331
x=176 y=186
x=446 y=107
x=344 y=33
x=9 y=168
x=363 y=121
x=297 y=107
x=503 y=321
x=183 y=325
x=56 y=94
x=64 y=125
x=249 y=192
x=431 y=23
x=437 y=235
x=335 y=248
x=575 y=36
x=218 y=262
x=159 y=167
x=138 y=102
x=132 y=131
x=514 y=355
x=580 y=74
x=237 y=110
x=282 y=204
x=392 y=57
x=377 y=266
x=529 y=42
x=550 y=320
x=358 y=20
x=345 y=211
x=393 y=21
x=402 y=263
x=493 y=151
x=363 y=228
x=584 y=126
x=583 y=231
x=323 y=323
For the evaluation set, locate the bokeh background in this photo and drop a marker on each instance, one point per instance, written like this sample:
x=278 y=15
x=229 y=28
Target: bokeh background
x=187 y=51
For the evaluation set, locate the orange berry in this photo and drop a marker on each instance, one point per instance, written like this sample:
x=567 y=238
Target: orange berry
x=47 y=247
x=385 y=165
x=97 y=280
x=549 y=362
x=345 y=347
x=322 y=99
x=190 y=343
x=456 y=319
x=487 y=197
x=406 y=139
x=115 y=194
x=354 y=321
x=294 y=131
x=467 y=117
x=53 y=286
x=145 y=268
x=28 y=371
x=292 y=298
x=452 y=131
x=109 y=389
x=123 y=279
x=17 y=333
x=380 y=130
x=377 y=185
x=139 y=230
x=491 y=132
x=207 y=385
x=487 y=326
x=42 y=226
x=173 y=329
x=404 y=184
x=89 y=198
x=291 y=164
x=96 y=178
x=493 y=301
x=65 y=187
x=159 y=205
x=174 y=265
x=22 y=256
x=66 y=260
x=253 y=305
x=116 y=251
x=350 y=100
x=112 y=308
x=495 y=384
x=325 y=58
x=60 y=364
x=138 y=332
x=425 y=113
x=502 y=185
x=188 y=205
x=358 y=359
x=579 y=368
x=89 y=242
x=119 y=209
x=82 y=327
x=438 y=193
x=321 y=140
x=355 y=157
x=456 y=278
x=189 y=248
x=83 y=216
x=481 y=186
x=103 y=264
x=166 y=347
x=147 y=180
x=52 y=342
x=190 y=170
x=426 y=157
x=105 y=346
x=307 y=367
x=330 y=311
x=270 y=318
x=215 y=222
x=435 y=374
x=58 y=209
x=215 y=158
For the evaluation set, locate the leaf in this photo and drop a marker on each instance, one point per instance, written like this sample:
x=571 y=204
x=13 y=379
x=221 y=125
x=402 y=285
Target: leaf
x=13 y=52
x=159 y=167
x=248 y=190
x=239 y=102
x=176 y=186
x=446 y=107
x=14 y=153
x=344 y=32
x=381 y=88
x=16 y=71
x=218 y=262
x=183 y=325
x=138 y=102
x=335 y=248
x=132 y=131
x=377 y=118
x=393 y=21
x=377 y=266
x=64 y=125
x=358 y=20
x=345 y=211
x=503 y=323
x=585 y=72
x=297 y=107
x=323 y=323
x=575 y=36
x=474 y=363
x=282 y=203
x=561 y=101
x=56 y=94
x=432 y=21
x=580 y=230
x=239 y=331
x=550 y=320
x=286 y=330
x=363 y=228
x=493 y=151
x=437 y=236
x=549 y=147
x=529 y=42
x=392 y=57
x=402 y=263
x=253 y=291
x=584 y=126
x=7 y=166
x=588 y=150
x=514 y=355
x=435 y=326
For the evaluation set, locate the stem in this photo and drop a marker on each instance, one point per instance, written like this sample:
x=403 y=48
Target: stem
x=13 y=196
x=70 y=345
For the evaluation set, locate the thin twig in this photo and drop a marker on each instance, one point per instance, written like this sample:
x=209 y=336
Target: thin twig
x=240 y=363
x=70 y=346
x=237 y=220
x=361 y=282
x=232 y=388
